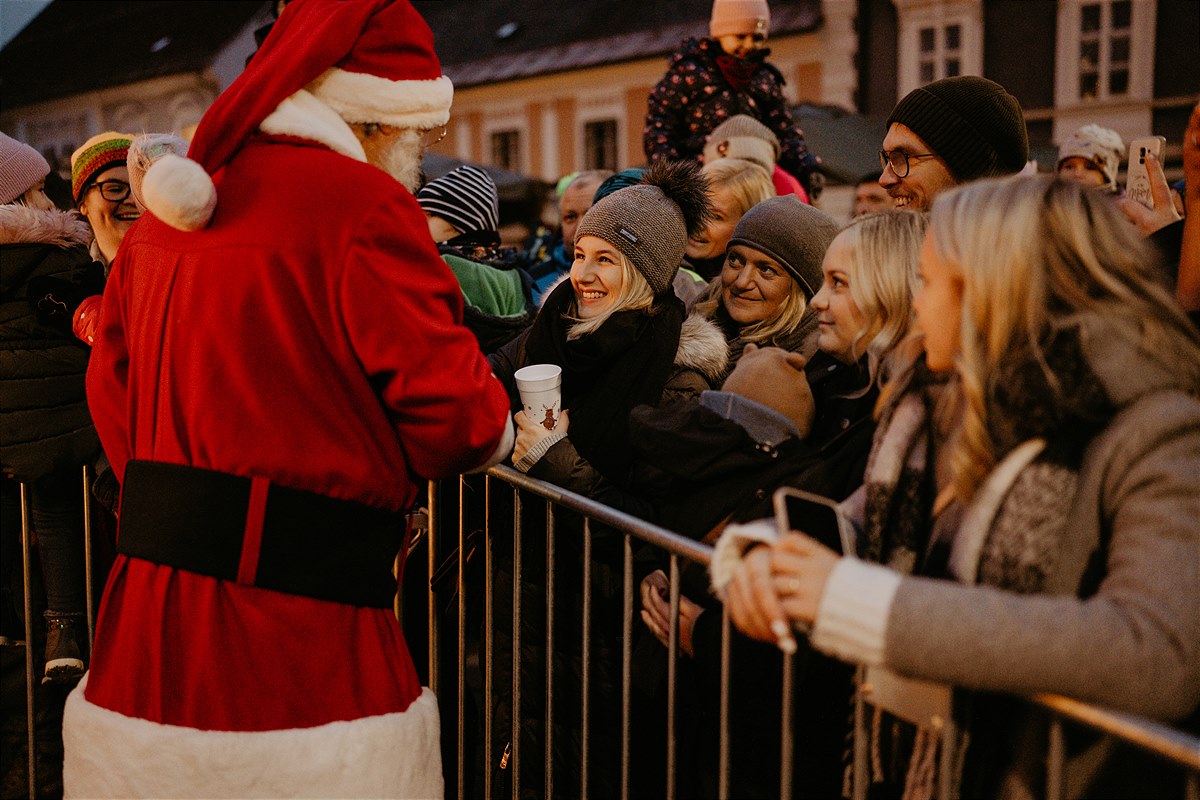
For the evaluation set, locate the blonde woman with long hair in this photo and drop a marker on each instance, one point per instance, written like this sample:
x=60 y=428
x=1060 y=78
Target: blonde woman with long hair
x=735 y=187
x=1040 y=517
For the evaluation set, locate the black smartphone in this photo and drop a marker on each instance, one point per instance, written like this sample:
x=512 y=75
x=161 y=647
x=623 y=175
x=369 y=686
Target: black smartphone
x=812 y=514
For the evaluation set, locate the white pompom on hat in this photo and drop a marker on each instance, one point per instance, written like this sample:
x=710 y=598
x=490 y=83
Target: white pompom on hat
x=369 y=60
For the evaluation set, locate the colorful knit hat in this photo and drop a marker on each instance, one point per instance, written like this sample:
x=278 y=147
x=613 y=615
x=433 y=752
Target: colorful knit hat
x=793 y=233
x=368 y=60
x=20 y=168
x=98 y=153
x=739 y=17
x=465 y=197
x=650 y=222
x=1101 y=146
x=742 y=136
x=972 y=123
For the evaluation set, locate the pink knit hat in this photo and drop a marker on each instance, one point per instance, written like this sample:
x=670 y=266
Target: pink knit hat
x=739 y=17
x=20 y=168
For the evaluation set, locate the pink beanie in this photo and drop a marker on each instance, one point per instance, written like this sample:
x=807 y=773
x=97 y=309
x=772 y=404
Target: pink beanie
x=20 y=168
x=739 y=17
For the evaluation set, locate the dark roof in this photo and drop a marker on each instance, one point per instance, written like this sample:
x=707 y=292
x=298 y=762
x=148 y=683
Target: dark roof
x=77 y=46
x=494 y=41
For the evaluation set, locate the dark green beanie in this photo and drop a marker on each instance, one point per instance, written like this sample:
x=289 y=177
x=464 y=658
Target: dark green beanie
x=793 y=233
x=972 y=123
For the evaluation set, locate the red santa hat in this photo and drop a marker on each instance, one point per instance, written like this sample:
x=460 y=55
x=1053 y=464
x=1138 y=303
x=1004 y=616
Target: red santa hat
x=369 y=60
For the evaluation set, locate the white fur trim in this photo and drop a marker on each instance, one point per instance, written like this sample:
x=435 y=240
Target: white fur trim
x=178 y=191
x=702 y=347
x=305 y=116
x=977 y=520
x=392 y=755
x=852 y=616
x=502 y=450
x=28 y=225
x=734 y=542
x=359 y=97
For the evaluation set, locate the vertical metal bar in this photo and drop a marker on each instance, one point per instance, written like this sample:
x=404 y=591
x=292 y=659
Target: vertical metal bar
x=948 y=761
x=585 y=711
x=672 y=673
x=1054 y=760
x=786 y=745
x=860 y=734
x=462 y=631
x=723 y=752
x=89 y=588
x=431 y=537
x=488 y=612
x=27 y=567
x=516 y=647
x=626 y=663
x=549 y=649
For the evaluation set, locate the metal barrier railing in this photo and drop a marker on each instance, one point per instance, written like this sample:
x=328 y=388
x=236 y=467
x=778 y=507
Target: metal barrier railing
x=1170 y=745
x=1173 y=746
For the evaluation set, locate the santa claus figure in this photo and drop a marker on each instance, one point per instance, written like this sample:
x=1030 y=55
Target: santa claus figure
x=279 y=367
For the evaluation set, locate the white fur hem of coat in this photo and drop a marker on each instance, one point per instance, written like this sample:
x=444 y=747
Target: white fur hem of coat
x=391 y=755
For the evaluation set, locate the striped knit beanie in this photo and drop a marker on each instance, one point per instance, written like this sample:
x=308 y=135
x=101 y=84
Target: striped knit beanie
x=972 y=123
x=465 y=197
x=20 y=168
x=98 y=153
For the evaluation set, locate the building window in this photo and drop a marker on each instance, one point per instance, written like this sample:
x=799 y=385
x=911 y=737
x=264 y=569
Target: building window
x=600 y=144
x=938 y=40
x=1105 y=51
x=1104 y=32
x=506 y=149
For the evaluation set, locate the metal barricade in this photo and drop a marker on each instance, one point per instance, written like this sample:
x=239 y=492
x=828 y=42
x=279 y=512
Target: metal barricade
x=921 y=704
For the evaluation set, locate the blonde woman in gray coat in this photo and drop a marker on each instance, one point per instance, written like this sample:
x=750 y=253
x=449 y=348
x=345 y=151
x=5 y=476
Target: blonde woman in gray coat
x=1054 y=544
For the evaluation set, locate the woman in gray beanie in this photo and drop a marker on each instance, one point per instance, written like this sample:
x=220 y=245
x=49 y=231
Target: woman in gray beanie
x=622 y=339
x=772 y=269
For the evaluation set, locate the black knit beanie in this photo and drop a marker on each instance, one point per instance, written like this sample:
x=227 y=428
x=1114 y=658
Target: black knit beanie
x=972 y=123
x=793 y=233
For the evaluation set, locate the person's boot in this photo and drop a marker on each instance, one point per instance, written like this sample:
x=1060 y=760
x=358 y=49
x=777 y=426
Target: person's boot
x=64 y=662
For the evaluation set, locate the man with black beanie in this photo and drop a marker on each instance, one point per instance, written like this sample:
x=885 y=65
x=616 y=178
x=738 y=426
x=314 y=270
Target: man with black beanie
x=950 y=132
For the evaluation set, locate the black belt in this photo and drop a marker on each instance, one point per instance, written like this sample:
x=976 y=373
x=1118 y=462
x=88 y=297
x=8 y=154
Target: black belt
x=260 y=534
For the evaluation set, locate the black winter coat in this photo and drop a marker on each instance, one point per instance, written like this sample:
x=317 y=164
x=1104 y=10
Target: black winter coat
x=45 y=426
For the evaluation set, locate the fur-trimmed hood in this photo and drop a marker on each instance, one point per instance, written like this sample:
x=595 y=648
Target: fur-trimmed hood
x=702 y=347
x=25 y=225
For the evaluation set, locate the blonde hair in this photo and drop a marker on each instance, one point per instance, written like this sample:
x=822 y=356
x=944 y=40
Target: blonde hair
x=635 y=294
x=884 y=252
x=1032 y=252
x=786 y=318
x=746 y=182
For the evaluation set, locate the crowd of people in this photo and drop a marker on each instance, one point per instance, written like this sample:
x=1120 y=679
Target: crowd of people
x=265 y=340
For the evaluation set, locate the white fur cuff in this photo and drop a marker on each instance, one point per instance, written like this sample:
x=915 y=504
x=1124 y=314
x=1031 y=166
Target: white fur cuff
x=852 y=616
x=734 y=542
x=391 y=755
x=502 y=450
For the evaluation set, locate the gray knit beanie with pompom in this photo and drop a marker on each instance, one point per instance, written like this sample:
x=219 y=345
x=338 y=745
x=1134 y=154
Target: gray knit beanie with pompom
x=650 y=223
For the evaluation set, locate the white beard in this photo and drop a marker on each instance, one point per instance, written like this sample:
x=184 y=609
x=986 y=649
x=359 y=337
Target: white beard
x=402 y=159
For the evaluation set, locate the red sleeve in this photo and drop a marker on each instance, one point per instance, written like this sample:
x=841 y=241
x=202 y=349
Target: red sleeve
x=402 y=308
x=108 y=374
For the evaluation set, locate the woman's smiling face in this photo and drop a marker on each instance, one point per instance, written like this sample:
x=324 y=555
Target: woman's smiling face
x=596 y=275
x=753 y=285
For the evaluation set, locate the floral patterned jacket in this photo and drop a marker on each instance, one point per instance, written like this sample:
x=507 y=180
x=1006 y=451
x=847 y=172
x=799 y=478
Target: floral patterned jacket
x=694 y=97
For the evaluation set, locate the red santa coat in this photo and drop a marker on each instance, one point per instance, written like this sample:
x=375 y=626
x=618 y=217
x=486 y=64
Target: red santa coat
x=310 y=335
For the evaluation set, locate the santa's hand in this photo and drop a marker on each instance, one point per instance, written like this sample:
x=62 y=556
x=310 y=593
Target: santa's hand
x=530 y=433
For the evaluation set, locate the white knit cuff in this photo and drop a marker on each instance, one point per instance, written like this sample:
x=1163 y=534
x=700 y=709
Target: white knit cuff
x=852 y=617
x=535 y=453
x=734 y=542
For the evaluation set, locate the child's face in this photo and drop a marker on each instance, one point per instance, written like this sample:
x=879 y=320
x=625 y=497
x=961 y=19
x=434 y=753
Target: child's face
x=741 y=45
x=439 y=229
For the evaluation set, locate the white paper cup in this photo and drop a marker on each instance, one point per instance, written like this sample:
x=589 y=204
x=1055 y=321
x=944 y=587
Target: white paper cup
x=540 y=386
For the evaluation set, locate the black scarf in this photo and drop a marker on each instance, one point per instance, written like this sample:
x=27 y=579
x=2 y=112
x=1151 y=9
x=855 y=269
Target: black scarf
x=606 y=373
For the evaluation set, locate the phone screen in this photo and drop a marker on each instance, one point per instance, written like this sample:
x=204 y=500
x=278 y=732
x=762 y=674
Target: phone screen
x=818 y=520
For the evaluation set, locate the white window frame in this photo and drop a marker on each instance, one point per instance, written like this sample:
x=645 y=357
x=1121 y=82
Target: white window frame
x=915 y=16
x=1141 y=53
x=503 y=123
x=598 y=109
